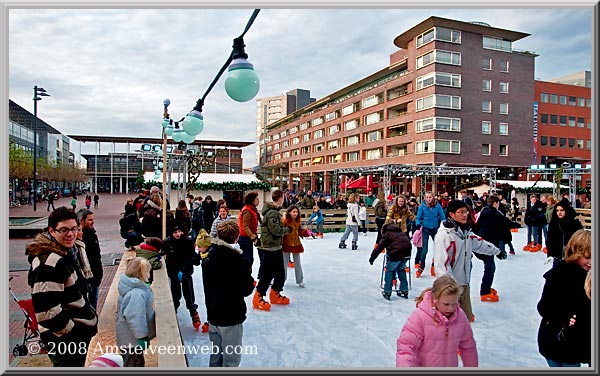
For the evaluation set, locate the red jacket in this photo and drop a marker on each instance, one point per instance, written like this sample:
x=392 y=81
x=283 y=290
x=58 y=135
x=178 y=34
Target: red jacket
x=253 y=224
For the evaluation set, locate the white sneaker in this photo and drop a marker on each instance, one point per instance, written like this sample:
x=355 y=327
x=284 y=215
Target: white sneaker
x=301 y=284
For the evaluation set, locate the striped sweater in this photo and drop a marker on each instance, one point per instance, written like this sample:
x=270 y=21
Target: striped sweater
x=59 y=291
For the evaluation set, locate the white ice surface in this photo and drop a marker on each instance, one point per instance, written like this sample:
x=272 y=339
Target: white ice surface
x=340 y=319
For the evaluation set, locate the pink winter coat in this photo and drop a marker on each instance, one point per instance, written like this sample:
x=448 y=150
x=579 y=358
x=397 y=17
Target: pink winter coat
x=424 y=342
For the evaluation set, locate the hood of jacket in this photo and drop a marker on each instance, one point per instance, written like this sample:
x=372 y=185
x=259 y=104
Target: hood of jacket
x=44 y=243
x=127 y=283
x=221 y=243
x=268 y=206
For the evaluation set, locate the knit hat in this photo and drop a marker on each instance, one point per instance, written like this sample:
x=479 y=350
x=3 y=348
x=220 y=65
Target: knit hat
x=203 y=239
x=154 y=243
x=454 y=205
x=107 y=360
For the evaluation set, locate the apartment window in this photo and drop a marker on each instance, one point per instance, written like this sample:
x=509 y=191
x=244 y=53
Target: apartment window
x=373 y=118
x=334 y=129
x=544 y=119
x=306 y=137
x=352 y=140
x=571 y=142
x=486 y=127
x=352 y=124
x=553 y=98
x=438 y=56
x=487 y=85
x=438 y=78
x=283 y=133
x=554 y=119
x=504 y=66
x=319 y=147
x=317 y=121
x=486 y=149
x=562 y=142
x=353 y=156
x=295 y=164
x=503 y=108
x=269 y=148
x=276 y=146
x=373 y=153
x=374 y=136
x=331 y=116
x=318 y=134
x=552 y=141
x=503 y=150
x=563 y=99
x=438 y=146
x=306 y=150
x=543 y=97
x=293 y=130
x=275 y=137
x=286 y=154
x=580 y=122
x=303 y=126
x=277 y=156
x=572 y=101
x=581 y=102
x=486 y=63
x=563 y=120
x=589 y=125
x=295 y=140
x=579 y=144
x=503 y=129
x=588 y=102
x=440 y=101
x=438 y=33
x=486 y=106
x=543 y=140
x=305 y=162
x=588 y=144
x=333 y=144
x=499 y=44
x=348 y=109
x=426 y=37
x=438 y=123
x=334 y=158
x=504 y=87
x=370 y=101
x=572 y=121
x=295 y=152
x=285 y=143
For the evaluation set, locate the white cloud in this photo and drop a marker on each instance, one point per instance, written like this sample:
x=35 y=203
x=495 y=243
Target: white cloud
x=108 y=70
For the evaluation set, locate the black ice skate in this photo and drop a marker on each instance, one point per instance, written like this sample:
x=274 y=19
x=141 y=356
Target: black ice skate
x=386 y=295
x=402 y=294
x=342 y=245
x=354 y=246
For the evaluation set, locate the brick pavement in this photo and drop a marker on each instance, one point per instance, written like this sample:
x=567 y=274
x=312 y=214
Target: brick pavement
x=111 y=244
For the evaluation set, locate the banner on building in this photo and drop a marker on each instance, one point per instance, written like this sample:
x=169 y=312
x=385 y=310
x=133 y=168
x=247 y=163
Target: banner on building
x=535 y=131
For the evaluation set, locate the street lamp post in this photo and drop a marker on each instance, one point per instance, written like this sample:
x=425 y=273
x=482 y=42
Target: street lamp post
x=42 y=93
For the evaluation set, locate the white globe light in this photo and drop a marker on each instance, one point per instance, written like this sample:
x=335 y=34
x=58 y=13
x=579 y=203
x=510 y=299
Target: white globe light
x=188 y=138
x=177 y=135
x=193 y=123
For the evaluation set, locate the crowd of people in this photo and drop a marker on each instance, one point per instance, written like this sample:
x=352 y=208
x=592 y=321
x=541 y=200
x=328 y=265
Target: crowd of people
x=66 y=269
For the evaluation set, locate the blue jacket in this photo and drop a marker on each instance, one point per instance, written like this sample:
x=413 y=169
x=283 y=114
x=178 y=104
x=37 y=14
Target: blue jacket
x=316 y=216
x=430 y=217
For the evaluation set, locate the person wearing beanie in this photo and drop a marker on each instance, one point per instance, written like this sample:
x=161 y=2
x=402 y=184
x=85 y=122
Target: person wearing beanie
x=453 y=249
x=203 y=241
x=107 y=360
x=180 y=258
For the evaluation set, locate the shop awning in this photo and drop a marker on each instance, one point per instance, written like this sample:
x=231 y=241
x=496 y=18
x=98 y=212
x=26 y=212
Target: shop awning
x=317 y=159
x=338 y=157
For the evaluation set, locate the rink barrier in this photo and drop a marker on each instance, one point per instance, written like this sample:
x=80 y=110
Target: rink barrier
x=167 y=326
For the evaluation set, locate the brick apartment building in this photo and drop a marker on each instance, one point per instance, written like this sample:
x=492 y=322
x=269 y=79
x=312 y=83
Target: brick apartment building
x=564 y=121
x=455 y=92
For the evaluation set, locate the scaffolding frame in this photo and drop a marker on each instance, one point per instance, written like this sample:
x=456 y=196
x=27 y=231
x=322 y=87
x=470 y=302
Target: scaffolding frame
x=571 y=173
x=423 y=171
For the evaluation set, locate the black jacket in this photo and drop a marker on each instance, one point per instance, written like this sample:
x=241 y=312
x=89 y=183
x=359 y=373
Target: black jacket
x=493 y=226
x=561 y=230
x=92 y=250
x=395 y=241
x=227 y=281
x=180 y=255
x=535 y=215
x=564 y=296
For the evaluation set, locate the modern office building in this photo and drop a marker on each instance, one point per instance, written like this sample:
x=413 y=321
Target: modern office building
x=564 y=124
x=455 y=92
x=271 y=109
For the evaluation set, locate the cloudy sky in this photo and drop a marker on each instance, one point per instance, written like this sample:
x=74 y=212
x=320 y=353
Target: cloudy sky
x=108 y=70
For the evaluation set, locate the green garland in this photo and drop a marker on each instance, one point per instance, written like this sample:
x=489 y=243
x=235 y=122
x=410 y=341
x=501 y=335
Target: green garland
x=212 y=186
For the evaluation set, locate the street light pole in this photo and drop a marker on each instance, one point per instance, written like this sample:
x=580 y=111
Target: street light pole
x=42 y=93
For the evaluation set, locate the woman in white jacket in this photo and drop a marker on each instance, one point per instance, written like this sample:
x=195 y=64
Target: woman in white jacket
x=454 y=245
x=352 y=214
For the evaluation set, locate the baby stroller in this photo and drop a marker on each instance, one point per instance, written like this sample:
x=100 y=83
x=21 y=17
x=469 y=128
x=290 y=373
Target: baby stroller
x=31 y=334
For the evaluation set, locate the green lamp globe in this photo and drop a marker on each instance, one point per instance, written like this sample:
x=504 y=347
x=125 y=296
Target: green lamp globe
x=169 y=130
x=187 y=138
x=165 y=123
x=193 y=123
x=160 y=165
x=177 y=135
x=156 y=175
x=159 y=153
x=242 y=83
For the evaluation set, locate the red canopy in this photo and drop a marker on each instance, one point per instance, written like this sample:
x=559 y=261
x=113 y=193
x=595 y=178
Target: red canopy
x=362 y=182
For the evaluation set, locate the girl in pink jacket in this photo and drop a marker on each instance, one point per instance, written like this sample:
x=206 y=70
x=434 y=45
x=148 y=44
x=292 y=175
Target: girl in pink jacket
x=437 y=330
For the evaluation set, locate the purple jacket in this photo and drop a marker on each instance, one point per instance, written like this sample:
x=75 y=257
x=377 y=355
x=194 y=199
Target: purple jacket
x=425 y=342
